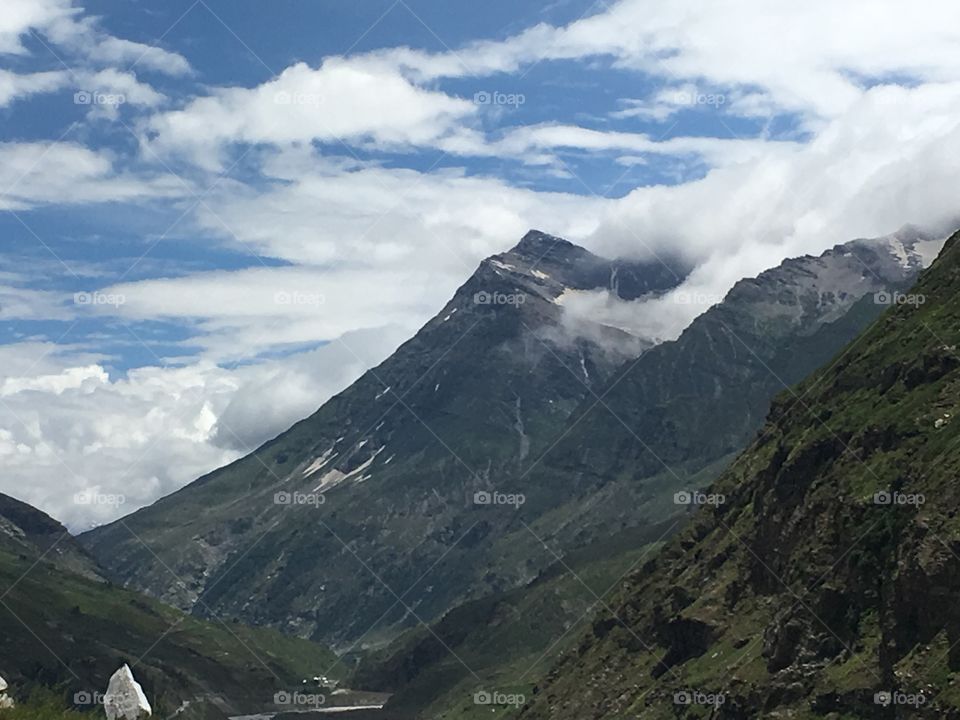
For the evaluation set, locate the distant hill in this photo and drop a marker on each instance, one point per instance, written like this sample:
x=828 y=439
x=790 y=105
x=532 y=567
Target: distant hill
x=63 y=626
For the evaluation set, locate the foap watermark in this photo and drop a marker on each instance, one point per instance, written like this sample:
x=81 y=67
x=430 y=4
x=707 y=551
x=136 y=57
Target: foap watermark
x=898 y=298
x=129 y=705
x=696 y=98
x=495 y=97
x=684 y=297
x=499 y=298
x=495 y=697
x=884 y=497
x=485 y=497
x=93 y=497
x=96 y=97
x=87 y=698
x=298 y=98
x=697 y=697
x=297 y=298
x=886 y=698
x=99 y=298
x=695 y=497
x=299 y=699
x=299 y=498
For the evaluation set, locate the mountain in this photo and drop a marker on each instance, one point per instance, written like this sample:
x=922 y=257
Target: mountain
x=63 y=626
x=382 y=510
x=30 y=533
x=823 y=583
x=674 y=418
x=324 y=531
x=791 y=318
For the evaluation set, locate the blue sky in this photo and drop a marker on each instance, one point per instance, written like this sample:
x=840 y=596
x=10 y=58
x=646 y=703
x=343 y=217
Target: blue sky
x=170 y=169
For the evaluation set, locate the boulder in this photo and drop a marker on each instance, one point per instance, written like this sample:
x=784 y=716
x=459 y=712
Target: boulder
x=5 y=700
x=124 y=699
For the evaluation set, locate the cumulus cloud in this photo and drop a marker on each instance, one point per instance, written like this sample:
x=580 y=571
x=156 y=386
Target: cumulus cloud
x=114 y=444
x=19 y=16
x=339 y=101
x=318 y=211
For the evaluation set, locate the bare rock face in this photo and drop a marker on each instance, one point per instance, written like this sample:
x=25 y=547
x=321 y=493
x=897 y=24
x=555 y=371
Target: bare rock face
x=5 y=700
x=124 y=699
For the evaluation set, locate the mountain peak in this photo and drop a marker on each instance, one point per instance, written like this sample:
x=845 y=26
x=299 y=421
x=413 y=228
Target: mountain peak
x=554 y=264
x=537 y=243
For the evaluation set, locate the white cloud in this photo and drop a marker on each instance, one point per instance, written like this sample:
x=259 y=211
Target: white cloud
x=87 y=56
x=245 y=312
x=111 y=50
x=341 y=100
x=109 y=437
x=318 y=211
x=19 y=303
x=117 y=83
x=716 y=151
x=19 y=16
x=888 y=161
x=67 y=173
x=810 y=57
x=63 y=24
x=367 y=246
x=15 y=86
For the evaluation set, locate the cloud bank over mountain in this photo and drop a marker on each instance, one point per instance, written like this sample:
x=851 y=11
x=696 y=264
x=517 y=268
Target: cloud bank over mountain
x=231 y=212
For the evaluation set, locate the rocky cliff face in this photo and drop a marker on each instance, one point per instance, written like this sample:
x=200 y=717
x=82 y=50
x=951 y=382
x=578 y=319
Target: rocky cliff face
x=822 y=584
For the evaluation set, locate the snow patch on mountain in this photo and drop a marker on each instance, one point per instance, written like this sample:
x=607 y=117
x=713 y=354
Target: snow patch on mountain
x=320 y=461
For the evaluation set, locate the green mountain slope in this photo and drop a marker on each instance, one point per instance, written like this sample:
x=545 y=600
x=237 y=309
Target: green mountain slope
x=823 y=586
x=71 y=631
x=508 y=639
x=26 y=531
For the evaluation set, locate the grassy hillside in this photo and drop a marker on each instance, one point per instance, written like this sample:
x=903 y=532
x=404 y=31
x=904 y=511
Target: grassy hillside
x=825 y=585
x=71 y=633
x=508 y=641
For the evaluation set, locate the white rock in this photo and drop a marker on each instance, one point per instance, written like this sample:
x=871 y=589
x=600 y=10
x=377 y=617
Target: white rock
x=124 y=699
x=6 y=701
